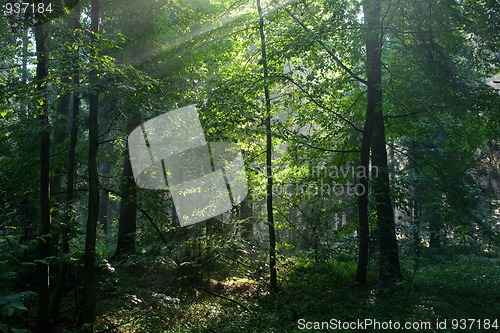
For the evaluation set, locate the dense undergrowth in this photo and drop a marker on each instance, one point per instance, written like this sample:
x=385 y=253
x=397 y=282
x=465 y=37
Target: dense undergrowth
x=445 y=285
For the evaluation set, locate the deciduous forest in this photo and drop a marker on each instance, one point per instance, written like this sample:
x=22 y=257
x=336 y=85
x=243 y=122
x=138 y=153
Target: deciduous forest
x=366 y=133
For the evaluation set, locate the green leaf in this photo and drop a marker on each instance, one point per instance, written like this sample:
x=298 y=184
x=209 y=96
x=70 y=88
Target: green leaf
x=42 y=261
x=20 y=307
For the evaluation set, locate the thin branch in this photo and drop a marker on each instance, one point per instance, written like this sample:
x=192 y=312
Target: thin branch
x=411 y=114
x=143 y=212
x=112 y=122
x=321 y=105
x=416 y=165
x=324 y=46
x=260 y=270
x=109 y=140
x=290 y=133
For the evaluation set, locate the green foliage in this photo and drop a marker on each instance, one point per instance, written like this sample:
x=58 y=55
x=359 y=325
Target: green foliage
x=11 y=303
x=441 y=127
x=447 y=285
x=11 y=307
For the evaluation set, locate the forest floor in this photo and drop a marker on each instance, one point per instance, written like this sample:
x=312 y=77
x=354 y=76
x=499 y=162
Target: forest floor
x=446 y=288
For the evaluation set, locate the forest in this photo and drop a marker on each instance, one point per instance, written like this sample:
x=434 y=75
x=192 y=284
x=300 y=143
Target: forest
x=249 y=166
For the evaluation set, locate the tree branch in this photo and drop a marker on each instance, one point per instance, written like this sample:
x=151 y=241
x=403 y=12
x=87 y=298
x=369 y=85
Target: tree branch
x=324 y=46
x=321 y=105
x=316 y=147
x=143 y=212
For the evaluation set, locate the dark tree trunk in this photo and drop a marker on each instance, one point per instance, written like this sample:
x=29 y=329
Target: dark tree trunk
x=246 y=214
x=388 y=246
x=70 y=197
x=435 y=227
x=61 y=233
x=25 y=56
x=89 y=283
x=59 y=134
x=127 y=220
x=103 y=210
x=416 y=195
x=70 y=186
x=106 y=168
x=416 y=221
x=269 y=172
x=128 y=211
x=43 y=268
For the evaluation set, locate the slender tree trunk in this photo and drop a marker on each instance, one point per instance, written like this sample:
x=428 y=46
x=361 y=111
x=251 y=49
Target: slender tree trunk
x=106 y=167
x=59 y=134
x=269 y=147
x=43 y=268
x=389 y=255
x=435 y=227
x=30 y=208
x=127 y=221
x=68 y=217
x=246 y=214
x=104 y=206
x=89 y=283
x=363 y=222
x=25 y=55
x=416 y=218
x=70 y=186
x=416 y=195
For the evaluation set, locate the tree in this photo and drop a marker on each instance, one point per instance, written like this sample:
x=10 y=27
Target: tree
x=68 y=215
x=89 y=285
x=363 y=186
x=389 y=254
x=127 y=221
x=136 y=47
x=269 y=155
x=43 y=317
x=432 y=49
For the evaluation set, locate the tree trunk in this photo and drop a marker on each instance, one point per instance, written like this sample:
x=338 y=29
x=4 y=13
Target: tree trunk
x=68 y=216
x=388 y=246
x=89 y=283
x=127 y=220
x=435 y=227
x=25 y=56
x=269 y=172
x=70 y=187
x=363 y=222
x=60 y=234
x=104 y=207
x=246 y=214
x=43 y=268
x=106 y=167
